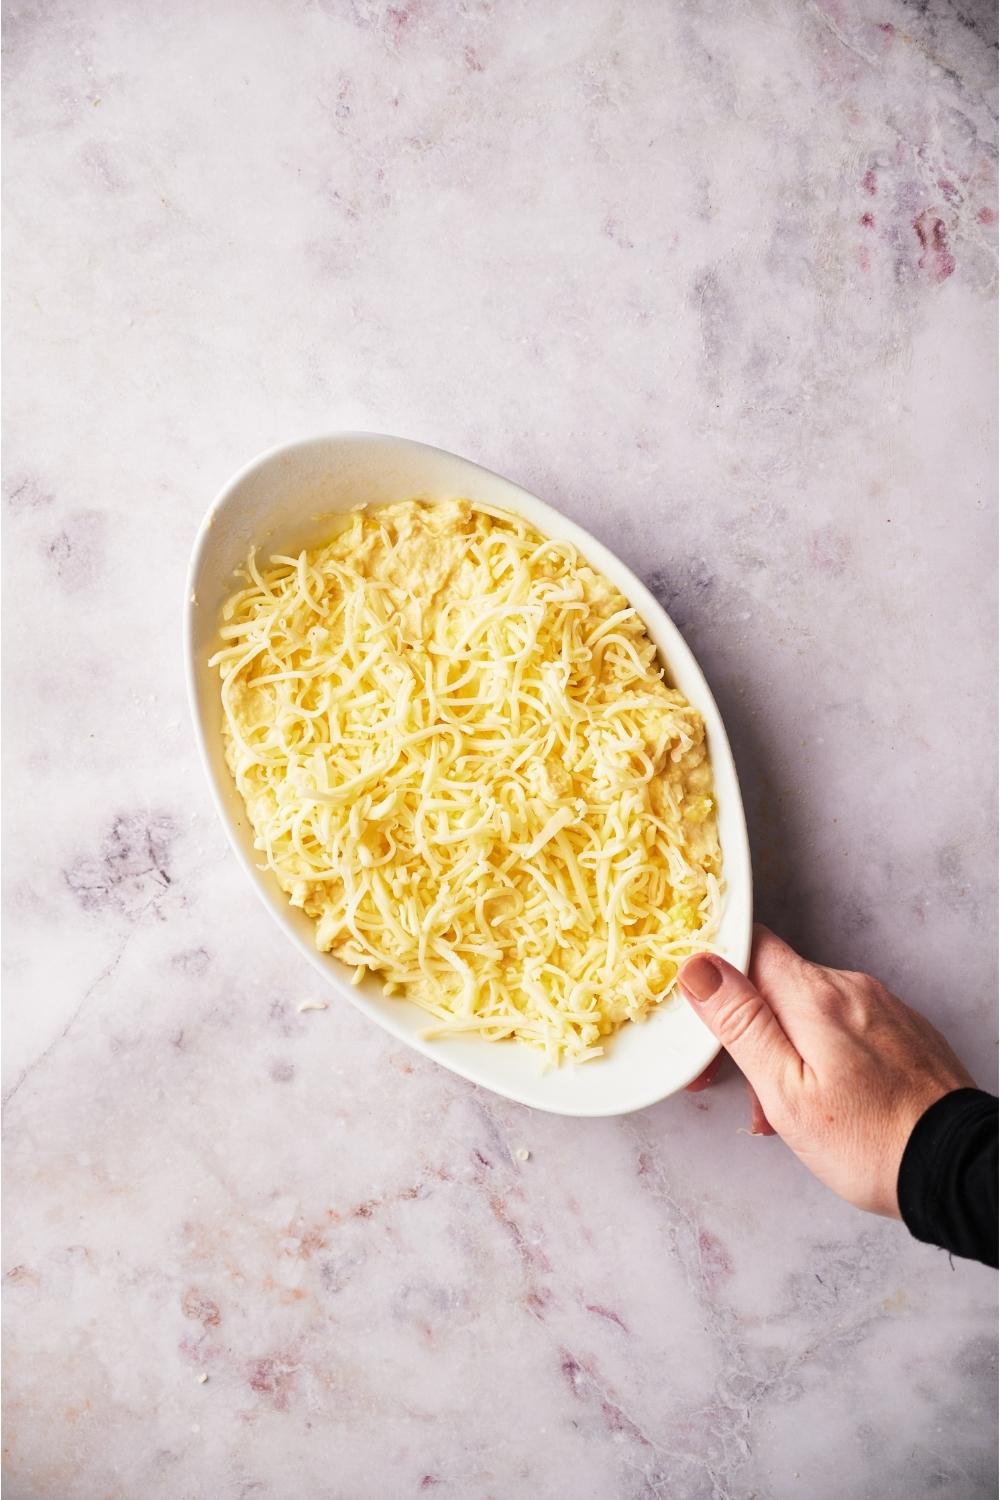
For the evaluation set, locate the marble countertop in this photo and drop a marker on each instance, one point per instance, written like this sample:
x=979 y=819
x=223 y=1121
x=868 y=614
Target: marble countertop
x=719 y=281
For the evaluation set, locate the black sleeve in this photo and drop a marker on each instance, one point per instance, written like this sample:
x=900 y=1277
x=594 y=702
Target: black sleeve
x=947 y=1186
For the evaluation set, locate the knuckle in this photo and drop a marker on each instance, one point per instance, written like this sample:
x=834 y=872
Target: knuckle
x=827 y=998
x=876 y=992
x=865 y=1002
x=864 y=985
x=736 y=1016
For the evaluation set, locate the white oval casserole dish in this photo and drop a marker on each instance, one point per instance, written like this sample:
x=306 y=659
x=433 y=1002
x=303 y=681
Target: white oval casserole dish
x=291 y=497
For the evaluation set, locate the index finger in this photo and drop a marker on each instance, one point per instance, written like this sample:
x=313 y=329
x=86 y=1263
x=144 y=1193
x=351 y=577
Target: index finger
x=788 y=983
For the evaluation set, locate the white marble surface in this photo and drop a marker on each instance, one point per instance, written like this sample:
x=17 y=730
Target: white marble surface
x=718 y=279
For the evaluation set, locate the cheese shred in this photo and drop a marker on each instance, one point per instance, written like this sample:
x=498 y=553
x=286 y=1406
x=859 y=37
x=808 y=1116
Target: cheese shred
x=461 y=758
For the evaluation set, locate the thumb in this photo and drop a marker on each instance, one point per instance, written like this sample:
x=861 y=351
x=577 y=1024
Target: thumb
x=740 y=1017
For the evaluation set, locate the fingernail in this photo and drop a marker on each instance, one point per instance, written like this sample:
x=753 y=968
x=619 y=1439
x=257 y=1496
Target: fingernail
x=700 y=977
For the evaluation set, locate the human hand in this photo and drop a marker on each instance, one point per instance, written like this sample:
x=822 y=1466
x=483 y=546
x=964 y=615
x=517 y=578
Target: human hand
x=835 y=1064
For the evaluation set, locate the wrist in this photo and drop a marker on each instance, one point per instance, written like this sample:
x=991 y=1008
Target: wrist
x=918 y=1105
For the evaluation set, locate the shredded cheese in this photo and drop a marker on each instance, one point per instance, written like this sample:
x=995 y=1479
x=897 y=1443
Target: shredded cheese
x=460 y=757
